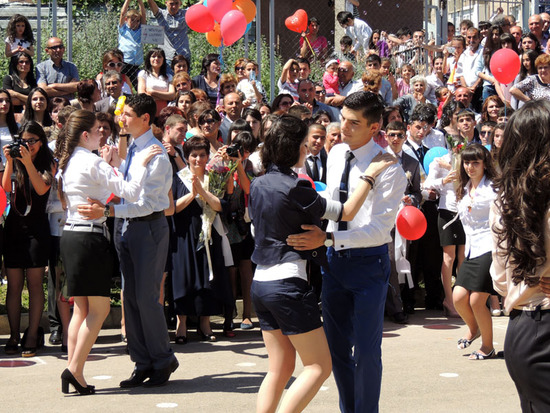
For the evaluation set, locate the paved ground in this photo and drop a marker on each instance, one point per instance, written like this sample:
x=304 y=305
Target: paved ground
x=423 y=372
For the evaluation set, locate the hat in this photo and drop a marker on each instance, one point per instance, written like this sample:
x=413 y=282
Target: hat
x=331 y=61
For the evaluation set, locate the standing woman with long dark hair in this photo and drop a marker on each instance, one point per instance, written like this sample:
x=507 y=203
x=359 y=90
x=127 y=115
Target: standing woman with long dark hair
x=21 y=79
x=208 y=79
x=155 y=81
x=8 y=126
x=473 y=285
x=520 y=221
x=27 y=232
x=492 y=44
x=84 y=244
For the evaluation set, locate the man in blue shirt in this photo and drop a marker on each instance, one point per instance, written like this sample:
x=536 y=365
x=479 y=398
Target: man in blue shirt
x=175 y=28
x=55 y=75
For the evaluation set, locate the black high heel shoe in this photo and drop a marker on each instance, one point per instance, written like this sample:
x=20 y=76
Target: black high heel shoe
x=39 y=343
x=68 y=378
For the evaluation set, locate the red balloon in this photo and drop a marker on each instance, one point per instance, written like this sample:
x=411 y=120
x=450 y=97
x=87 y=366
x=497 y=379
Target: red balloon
x=232 y=26
x=505 y=65
x=411 y=223
x=219 y=8
x=297 y=22
x=3 y=200
x=307 y=178
x=198 y=18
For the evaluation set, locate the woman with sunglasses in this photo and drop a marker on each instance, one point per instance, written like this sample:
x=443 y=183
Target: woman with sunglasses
x=282 y=103
x=27 y=179
x=113 y=59
x=209 y=124
x=21 y=81
x=240 y=69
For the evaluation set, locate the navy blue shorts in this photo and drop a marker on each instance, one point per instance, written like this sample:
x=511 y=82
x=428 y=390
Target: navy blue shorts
x=289 y=305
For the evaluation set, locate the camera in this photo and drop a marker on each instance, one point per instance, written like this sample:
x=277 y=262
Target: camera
x=15 y=147
x=233 y=150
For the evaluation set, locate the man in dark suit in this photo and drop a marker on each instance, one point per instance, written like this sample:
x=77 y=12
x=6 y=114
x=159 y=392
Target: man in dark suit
x=233 y=106
x=426 y=255
x=112 y=85
x=396 y=133
x=316 y=161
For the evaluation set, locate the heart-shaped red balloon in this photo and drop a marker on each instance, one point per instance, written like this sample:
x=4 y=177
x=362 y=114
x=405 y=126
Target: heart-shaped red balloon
x=297 y=22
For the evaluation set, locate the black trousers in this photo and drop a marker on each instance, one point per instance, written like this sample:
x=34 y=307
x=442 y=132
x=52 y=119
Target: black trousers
x=527 y=355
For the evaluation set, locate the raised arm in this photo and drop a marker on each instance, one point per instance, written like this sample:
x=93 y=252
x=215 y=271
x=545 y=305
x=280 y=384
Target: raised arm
x=153 y=6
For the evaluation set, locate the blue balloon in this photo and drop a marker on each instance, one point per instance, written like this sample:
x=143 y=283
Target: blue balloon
x=488 y=147
x=320 y=186
x=433 y=153
x=248 y=26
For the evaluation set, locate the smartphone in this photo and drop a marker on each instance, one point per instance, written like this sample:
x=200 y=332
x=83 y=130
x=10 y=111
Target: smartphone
x=252 y=75
x=451 y=50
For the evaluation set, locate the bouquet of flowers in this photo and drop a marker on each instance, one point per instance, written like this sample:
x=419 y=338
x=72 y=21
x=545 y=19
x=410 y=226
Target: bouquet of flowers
x=219 y=172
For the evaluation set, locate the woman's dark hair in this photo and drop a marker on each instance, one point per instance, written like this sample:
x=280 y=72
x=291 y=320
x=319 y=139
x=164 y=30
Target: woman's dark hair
x=474 y=152
x=44 y=160
x=29 y=114
x=388 y=110
x=448 y=111
x=538 y=47
x=247 y=141
x=147 y=61
x=494 y=150
x=278 y=98
x=282 y=142
x=107 y=117
x=209 y=112
x=507 y=38
x=318 y=115
x=30 y=79
x=186 y=93
x=523 y=190
x=165 y=113
x=10 y=117
x=86 y=89
x=196 y=143
x=178 y=59
x=372 y=45
x=532 y=55
x=490 y=45
x=195 y=110
x=80 y=121
x=255 y=113
x=11 y=31
x=207 y=61
x=239 y=125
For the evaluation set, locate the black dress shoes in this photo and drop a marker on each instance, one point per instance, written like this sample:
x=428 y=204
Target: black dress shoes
x=136 y=379
x=55 y=338
x=400 y=318
x=161 y=376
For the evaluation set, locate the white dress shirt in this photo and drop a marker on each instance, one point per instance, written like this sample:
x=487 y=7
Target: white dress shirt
x=372 y=225
x=154 y=192
x=360 y=32
x=447 y=195
x=434 y=138
x=351 y=87
x=474 y=215
x=469 y=65
x=89 y=176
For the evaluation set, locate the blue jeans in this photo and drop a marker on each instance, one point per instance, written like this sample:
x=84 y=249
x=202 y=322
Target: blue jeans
x=355 y=285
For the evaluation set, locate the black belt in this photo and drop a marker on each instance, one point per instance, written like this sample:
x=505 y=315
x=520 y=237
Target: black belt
x=150 y=217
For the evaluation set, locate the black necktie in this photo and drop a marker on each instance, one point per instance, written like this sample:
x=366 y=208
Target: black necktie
x=315 y=170
x=420 y=153
x=344 y=186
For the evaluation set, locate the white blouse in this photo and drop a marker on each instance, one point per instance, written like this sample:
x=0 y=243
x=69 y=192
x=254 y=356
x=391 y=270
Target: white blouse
x=89 y=176
x=474 y=215
x=447 y=195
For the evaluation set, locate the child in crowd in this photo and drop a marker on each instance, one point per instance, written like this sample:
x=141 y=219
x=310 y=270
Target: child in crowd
x=346 y=43
x=442 y=94
x=403 y=83
x=20 y=37
x=330 y=77
x=251 y=86
x=129 y=39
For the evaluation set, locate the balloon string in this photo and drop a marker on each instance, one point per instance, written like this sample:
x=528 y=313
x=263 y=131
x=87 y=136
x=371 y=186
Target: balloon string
x=309 y=44
x=222 y=64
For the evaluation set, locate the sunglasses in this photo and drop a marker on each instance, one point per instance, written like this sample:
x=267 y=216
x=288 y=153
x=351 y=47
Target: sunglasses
x=239 y=68
x=286 y=103
x=30 y=141
x=115 y=64
x=320 y=92
x=208 y=121
x=371 y=83
x=57 y=47
x=343 y=69
x=396 y=135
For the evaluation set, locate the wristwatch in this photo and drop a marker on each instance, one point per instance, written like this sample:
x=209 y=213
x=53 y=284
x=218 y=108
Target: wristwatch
x=107 y=211
x=328 y=241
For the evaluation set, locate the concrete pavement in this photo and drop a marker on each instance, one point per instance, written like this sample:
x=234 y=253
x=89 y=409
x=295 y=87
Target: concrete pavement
x=423 y=372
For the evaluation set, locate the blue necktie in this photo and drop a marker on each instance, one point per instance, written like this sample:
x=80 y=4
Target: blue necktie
x=131 y=151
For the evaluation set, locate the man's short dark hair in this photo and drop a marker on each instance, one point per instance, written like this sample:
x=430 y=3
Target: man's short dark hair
x=466 y=112
x=142 y=104
x=396 y=125
x=404 y=31
x=343 y=17
x=348 y=41
x=303 y=60
x=416 y=117
x=427 y=112
x=298 y=110
x=373 y=58
x=371 y=104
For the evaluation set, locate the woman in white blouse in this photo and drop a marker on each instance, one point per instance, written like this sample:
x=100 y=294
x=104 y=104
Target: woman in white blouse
x=473 y=285
x=442 y=178
x=154 y=79
x=520 y=218
x=84 y=244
